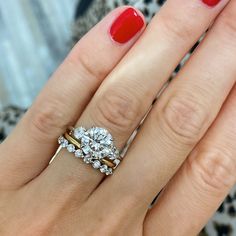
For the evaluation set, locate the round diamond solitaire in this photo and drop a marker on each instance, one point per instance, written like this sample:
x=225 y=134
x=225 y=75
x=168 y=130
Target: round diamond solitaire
x=94 y=146
x=96 y=142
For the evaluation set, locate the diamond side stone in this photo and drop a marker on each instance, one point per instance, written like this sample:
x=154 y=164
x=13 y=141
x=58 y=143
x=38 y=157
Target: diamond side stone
x=79 y=153
x=71 y=148
x=96 y=164
x=103 y=168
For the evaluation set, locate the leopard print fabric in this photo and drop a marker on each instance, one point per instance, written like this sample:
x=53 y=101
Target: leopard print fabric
x=9 y=117
x=223 y=223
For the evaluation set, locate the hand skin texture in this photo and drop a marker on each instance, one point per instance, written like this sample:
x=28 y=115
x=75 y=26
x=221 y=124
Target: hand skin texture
x=186 y=144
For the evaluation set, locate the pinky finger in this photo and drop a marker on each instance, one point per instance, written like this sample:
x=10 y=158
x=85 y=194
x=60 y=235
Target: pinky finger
x=199 y=187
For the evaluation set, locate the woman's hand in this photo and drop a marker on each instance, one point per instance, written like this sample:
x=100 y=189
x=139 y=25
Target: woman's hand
x=69 y=197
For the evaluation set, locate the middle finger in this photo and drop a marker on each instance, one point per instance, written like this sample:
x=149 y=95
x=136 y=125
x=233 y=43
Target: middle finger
x=179 y=119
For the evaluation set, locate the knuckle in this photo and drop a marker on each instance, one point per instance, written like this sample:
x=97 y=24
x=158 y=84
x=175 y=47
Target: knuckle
x=184 y=119
x=177 y=27
x=214 y=168
x=48 y=121
x=117 y=111
x=82 y=60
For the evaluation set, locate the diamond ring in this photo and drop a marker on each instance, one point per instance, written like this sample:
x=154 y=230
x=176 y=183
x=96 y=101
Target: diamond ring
x=95 y=146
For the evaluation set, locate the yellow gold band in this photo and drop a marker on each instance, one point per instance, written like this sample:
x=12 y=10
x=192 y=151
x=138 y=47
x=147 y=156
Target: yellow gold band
x=72 y=140
x=108 y=163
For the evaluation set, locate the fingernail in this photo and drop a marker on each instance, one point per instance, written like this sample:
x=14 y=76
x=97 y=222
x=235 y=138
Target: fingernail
x=126 y=26
x=211 y=3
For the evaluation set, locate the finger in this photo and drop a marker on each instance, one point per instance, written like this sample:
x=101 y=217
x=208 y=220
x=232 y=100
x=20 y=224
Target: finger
x=203 y=181
x=64 y=98
x=126 y=95
x=179 y=119
x=71 y=177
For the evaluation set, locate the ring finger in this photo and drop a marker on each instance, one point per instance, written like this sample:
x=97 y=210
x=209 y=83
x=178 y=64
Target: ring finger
x=127 y=93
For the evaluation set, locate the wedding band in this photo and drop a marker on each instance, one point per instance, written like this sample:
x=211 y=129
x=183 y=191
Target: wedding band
x=108 y=163
x=72 y=140
x=95 y=146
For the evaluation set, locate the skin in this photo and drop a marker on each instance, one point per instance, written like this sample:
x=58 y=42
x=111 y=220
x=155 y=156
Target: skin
x=187 y=139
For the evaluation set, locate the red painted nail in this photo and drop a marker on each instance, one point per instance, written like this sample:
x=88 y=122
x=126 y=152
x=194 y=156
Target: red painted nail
x=126 y=26
x=211 y=3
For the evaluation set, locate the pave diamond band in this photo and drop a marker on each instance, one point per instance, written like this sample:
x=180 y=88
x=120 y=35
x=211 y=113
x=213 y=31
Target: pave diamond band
x=95 y=146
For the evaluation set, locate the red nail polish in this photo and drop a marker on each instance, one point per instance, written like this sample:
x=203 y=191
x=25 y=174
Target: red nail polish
x=126 y=26
x=211 y=3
